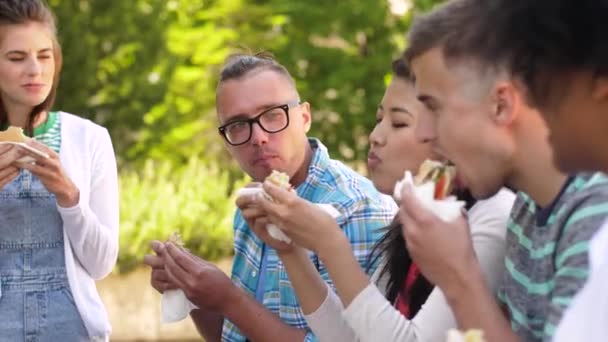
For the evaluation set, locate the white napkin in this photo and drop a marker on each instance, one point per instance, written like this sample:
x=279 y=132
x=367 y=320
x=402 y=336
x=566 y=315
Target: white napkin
x=274 y=231
x=447 y=209
x=174 y=306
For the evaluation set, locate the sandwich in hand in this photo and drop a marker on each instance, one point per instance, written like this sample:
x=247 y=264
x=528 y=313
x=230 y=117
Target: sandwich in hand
x=14 y=135
x=281 y=180
x=432 y=186
x=174 y=305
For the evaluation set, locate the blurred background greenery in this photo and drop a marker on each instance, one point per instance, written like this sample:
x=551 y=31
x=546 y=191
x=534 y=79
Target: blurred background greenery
x=147 y=69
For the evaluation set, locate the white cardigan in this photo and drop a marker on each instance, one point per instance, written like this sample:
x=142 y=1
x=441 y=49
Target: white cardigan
x=90 y=228
x=370 y=317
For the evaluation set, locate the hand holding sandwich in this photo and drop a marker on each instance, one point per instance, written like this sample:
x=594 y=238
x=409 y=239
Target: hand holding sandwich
x=443 y=250
x=51 y=174
x=305 y=223
x=8 y=171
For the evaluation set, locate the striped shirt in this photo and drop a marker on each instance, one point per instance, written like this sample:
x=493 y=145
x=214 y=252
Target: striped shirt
x=49 y=133
x=547 y=254
x=363 y=211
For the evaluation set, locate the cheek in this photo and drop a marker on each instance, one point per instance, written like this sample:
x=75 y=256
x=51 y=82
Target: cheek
x=406 y=152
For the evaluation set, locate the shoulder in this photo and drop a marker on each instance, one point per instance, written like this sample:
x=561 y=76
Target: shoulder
x=75 y=125
x=586 y=199
x=344 y=184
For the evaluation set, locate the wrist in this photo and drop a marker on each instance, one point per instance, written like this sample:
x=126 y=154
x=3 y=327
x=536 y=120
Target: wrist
x=291 y=254
x=464 y=285
x=333 y=244
x=231 y=303
x=69 y=198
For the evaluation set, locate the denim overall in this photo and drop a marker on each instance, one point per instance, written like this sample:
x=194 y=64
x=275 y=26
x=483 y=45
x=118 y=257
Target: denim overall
x=36 y=302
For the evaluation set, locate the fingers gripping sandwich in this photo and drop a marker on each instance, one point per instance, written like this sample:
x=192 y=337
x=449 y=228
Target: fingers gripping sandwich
x=432 y=186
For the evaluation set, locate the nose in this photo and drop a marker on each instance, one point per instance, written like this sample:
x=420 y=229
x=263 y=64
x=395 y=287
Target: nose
x=426 y=130
x=34 y=68
x=258 y=135
x=377 y=137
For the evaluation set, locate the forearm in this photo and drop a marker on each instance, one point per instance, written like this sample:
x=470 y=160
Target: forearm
x=475 y=307
x=308 y=285
x=345 y=271
x=258 y=323
x=208 y=324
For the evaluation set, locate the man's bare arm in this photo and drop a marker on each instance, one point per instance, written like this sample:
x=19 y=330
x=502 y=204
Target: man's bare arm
x=208 y=324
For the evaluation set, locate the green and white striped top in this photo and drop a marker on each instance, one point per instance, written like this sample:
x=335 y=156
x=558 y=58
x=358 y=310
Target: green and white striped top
x=547 y=254
x=49 y=133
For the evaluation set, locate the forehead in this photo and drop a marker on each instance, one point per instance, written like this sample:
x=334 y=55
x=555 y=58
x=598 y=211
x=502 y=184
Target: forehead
x=456 y=79
x=400 y=90
x=32 y=36
x=431 y=71
x=253 y=93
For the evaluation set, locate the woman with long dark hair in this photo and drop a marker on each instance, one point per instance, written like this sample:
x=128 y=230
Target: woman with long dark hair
x=59 y=206
x=398 y=303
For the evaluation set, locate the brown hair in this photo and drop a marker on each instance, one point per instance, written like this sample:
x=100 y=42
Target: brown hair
x=239 y=65
x=402 y=70
x=452 y=27
x=15 y=12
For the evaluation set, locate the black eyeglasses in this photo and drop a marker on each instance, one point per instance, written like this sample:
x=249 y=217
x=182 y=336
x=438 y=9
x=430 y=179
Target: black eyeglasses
x=272 y=120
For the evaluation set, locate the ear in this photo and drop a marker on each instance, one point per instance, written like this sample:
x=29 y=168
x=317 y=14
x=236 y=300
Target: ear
x=599 y=92
x=306 y=115
x=507 y=103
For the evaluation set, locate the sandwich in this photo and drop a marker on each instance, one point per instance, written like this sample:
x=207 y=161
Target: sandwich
x=176 y=239
x=14 y=135
x=432 y=187
x=472 y=335
x=441 y=174
x=281 y=180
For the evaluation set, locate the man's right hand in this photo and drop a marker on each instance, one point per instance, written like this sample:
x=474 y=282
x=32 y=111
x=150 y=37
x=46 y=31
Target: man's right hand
x=159 y=278
x=257 y=221
x=8 y=155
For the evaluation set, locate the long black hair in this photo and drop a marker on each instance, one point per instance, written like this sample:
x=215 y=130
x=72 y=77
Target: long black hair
x=397 y=262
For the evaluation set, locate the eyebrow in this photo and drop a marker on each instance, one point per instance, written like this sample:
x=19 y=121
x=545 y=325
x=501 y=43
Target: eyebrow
x=397 y=110
x=428 y=100
x=20 y=52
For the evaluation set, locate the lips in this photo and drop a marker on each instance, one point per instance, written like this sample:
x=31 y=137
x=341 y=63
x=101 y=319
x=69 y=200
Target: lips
x=373 y=160
x=264 y=158
x=33 y=86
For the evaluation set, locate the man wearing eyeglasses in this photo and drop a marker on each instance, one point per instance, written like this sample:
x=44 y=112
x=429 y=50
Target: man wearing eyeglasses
x=264 y=125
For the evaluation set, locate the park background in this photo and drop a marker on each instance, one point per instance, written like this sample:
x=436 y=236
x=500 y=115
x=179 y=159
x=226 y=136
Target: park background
x=147 y=70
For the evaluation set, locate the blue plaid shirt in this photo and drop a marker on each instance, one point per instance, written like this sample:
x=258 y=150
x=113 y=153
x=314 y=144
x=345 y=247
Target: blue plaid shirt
x=363 y=211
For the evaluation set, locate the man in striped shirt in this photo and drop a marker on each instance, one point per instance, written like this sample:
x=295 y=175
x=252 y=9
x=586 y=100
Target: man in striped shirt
x=265 y=127
x=570 y=53
x=481 y=120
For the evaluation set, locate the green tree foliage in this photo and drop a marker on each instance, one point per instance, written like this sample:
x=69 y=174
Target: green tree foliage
x=158 y=201
x=147 y=70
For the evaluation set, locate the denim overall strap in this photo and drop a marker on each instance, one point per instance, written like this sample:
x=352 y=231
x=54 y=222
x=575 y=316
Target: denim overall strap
x=36 y=302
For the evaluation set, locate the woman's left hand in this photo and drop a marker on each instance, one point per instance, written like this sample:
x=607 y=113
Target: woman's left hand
x=52 y=175
x=304 y=222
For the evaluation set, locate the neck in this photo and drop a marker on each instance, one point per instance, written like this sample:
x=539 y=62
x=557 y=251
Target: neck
x=18 y=115
x=536 y=173
x=300 y=176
